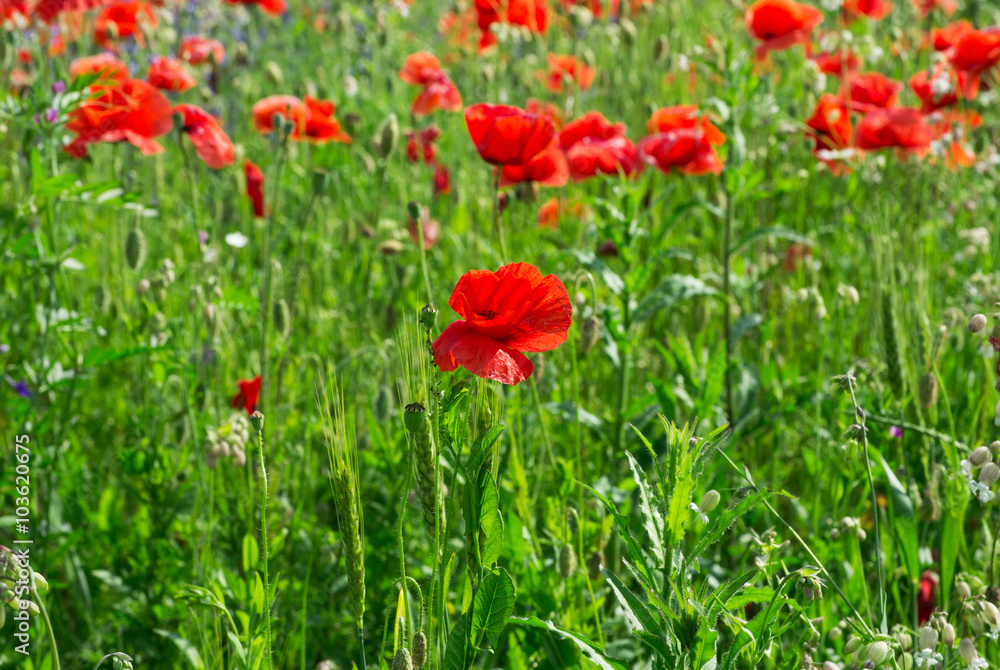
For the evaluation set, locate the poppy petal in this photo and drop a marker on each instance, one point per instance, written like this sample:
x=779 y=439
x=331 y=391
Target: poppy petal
x=462 y=344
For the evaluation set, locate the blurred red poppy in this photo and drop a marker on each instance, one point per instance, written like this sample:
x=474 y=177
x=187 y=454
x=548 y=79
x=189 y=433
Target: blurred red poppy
x=196 y=50
x=125 y=19
x=686 y=150
x=944 y=38
x=940 y=87
x=684 y=116
x=271 y=7
x=506 y=312
x=545 y=108
x=312 y=119
x=870 y=90
x=531 y=14
x=873 y=9
x=210 y=141
x=925 y=7
x=130 y=111
x=595 y=155
x=976 y=51
x=591 y=125
x=47 y=10
x=248 y=395
x=421 y=68
x=255 y=187
x=105 y=64
x=548 y=168
x=903 y=128
x=420 y=144
x=836 y=62
x=567 y=69
x=926 y=596
x=781 y=24
x=442 y=180
x=169 y=75
x=548 y=214
x=507 y=135
x=439 y=92
x=830 y=128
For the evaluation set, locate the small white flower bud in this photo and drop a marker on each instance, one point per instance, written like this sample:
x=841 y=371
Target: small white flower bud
x=948 y=635
x=710 y=501
x=989 y=474
x=962 y=590
x=977 y=323
x=928 y=638
x=980 y=456
x=878 y=652
x=967 y=650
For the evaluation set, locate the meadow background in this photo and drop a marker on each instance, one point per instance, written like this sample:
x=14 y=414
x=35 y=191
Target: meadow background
x=726 y=329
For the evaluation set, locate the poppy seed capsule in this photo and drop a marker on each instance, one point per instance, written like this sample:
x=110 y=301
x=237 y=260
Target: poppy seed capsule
x=977 y=323
x=428 y=316
x=402 y=660
x=967 y=650
x=878 y=652
x=989 y=474
x=419 y=651
x=135 y=249
x=709 y=501
x=414 y=416
x=257 y=421
x=980 y=456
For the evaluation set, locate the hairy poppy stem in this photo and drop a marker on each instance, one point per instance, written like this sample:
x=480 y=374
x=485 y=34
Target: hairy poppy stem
x=497 y=216
x=263 y=540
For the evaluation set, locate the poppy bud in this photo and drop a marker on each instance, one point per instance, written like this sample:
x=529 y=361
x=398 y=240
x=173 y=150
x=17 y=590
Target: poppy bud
x=948 y=635
x=852 y=645
x=878 y=652
x=135 y=249
x=428 y=316
x=273 y=73
x=414 y=417
x=989 y=474
x=709 y=501
x=977 y=323
x=567 y=561
x=590 y=331
x=928 y=638
x=928 y=390
x=967 y=650
x=402 y=660
x=413 y=209
x=594 y=563
x=419 y=649
x=980 y=456
x=388 y=136
x=282 y=322
x=660 y=48
x=257 y=422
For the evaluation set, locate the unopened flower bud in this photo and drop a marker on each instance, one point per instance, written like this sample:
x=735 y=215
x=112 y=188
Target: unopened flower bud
x=257 y=421
x=135 y=249
x=388 y=136
x=904 y=640
x=835 y=633
x=852 y=645
x=991 y=615
x=419 y=648
x=567 y=561
x=402 y=660
x=977 y=323
x=709 y=501
x=590 y=331
x=962 y=590
x=989 y=474
x=878 y=652
x=948 y=635
x=273 y=73
x=282 y=320
x=660 y=48
x=927 y=390
x=995 y=447
x=980 y=456
x=967 y=650
x=928 y=638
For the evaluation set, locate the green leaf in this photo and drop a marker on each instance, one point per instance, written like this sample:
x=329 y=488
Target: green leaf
x=652 y=520
x=723 y=522
x=458 y=653
x=589 y=648
x=491 y=523
x=238 y=648
x=638 y=616
x=251 y=553
x=492 y=606
x=188 y=649
x=633 y=547
x=704 y=648
x=481 y=450
x=670 y=291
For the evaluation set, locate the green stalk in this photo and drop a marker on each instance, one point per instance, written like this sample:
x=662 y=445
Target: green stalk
x=48 y=626
x=263 y=524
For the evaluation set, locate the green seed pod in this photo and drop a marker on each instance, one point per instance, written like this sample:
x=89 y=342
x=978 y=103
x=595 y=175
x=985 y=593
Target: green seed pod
x=428 y=316
x=419 y=649
x=257 y=421
x=709 y=501
x=590 y=331
x=567 y=561
x=979 y=457
x=273 y=73
x=40 y=583
x=414 y=417
x=927 y=639
x=948 y=635
x=388 y=136
x=402 y=660
x=32 y=608
x=852 y=645
x=878 y=652
x=928 y=390
x=282 y=319
x=135 y=249
x=967 y=650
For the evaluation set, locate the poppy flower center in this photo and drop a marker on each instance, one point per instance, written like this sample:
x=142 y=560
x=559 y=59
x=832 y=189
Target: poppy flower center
x=488 y=314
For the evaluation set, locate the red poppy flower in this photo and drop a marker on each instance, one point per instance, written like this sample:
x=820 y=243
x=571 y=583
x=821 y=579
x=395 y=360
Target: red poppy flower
x=169 y=75
x=592 y=156
x=421 y=68
x=926 y=596
x=903 y=128
x=925 y=7
x=870 y=90
x=506 y=135
x=50 y=9
x=684 y=116
x=255 y=187
x=209 y=139
x=836 y=62
x=548 y=168
x=781 y=24
x=531 y=14
x=976 y=51
x=506 y=312
x=109 y=67
x=312 y=119
x=442 y=180
x=830 y=128
x=548 y=214
x=121 y=20
x=271 y=7
x=873 y=9
x=945 y=38
x=130 y=111
x=591 y=125
x=248 y=395
x=420 y=144
x=940 y=87
x=686 y=150
x=564 y=69
x=196 y=50
x=441 y=94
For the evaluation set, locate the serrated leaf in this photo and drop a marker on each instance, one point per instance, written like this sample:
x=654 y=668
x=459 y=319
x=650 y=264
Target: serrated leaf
x=670 y=291
x=621 y=521
x=638 y=616
x=652 y=520
x=724 y=521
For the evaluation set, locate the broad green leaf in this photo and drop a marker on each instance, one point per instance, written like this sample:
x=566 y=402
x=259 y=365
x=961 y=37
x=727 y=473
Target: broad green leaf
x=459 y=653
x=589 y=648
x=251 y=553
x=492 y=606
x=491 y=523
x=481 y=450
